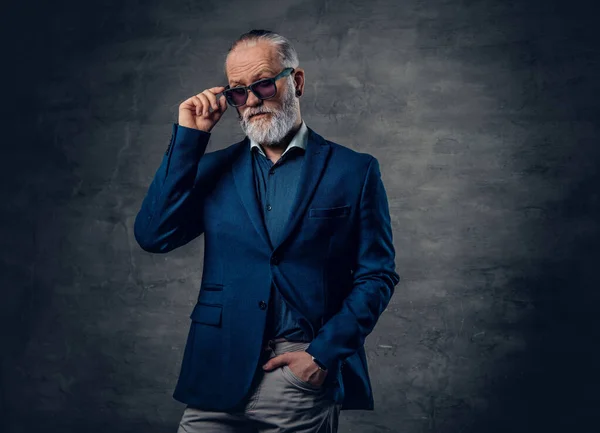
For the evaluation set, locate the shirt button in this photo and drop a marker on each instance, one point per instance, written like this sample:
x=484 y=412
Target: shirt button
x=262 y=305
x=271 y=172
x=275 y=260
x=269 y=207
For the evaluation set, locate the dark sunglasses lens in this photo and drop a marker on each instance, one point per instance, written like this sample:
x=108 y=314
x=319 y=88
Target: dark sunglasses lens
x=265 y=88
x=236 y=96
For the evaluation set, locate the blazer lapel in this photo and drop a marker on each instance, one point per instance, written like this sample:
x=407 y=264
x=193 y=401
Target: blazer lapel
x=315 y=158
x=243 y=176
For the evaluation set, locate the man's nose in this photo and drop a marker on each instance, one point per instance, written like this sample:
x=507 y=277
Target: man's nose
x=252 y=100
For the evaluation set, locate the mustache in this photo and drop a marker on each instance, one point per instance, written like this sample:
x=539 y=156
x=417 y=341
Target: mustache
x=248 y=115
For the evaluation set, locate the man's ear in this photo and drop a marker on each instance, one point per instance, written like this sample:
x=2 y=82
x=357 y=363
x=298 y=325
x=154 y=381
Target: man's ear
x=299 y=80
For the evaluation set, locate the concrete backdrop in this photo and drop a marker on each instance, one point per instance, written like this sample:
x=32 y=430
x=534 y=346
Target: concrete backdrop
x=483 y=115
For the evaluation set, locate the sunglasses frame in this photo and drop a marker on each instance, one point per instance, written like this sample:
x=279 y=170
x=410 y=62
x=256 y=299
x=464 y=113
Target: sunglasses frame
x=284 y=73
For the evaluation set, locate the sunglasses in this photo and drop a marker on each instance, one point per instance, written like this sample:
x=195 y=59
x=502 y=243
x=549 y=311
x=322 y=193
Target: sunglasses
x=262 y=89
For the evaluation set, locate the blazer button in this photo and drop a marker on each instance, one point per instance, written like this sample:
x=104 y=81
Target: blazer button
x=262 y=305
x=275 y=260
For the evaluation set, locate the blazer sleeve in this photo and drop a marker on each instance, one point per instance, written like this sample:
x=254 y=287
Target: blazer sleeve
x=171 y=212
x=374 y=278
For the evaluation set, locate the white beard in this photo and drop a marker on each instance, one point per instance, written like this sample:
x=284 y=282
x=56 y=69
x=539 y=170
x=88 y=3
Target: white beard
x=270 y=130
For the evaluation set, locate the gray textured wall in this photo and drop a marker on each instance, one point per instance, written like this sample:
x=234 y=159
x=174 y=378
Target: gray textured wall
x=483 y=115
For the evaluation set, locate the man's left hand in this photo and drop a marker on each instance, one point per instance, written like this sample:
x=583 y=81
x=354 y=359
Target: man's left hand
x=301 y=364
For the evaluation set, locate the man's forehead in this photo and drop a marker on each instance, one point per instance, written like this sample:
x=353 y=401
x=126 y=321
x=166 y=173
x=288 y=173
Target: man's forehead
x=249 y=62
x=251 y=76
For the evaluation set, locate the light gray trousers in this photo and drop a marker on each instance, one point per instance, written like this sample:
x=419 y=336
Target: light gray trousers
x=278 y=402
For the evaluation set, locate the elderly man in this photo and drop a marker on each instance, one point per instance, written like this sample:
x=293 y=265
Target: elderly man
x=298 y=262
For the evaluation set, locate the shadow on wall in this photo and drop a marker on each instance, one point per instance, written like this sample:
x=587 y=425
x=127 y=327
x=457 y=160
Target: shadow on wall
x=36 y=38
x=552 y=385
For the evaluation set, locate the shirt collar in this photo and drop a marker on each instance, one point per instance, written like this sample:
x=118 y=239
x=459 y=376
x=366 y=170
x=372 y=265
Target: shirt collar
x=300 y=140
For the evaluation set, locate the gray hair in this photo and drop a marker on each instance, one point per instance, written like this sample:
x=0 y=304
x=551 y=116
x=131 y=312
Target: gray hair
x=287 y=54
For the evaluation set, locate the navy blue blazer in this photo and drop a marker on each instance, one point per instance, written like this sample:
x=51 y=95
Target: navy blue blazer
x=335 y=263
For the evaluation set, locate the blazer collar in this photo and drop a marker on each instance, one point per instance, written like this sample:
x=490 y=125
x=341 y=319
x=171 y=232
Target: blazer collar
x=317 y=151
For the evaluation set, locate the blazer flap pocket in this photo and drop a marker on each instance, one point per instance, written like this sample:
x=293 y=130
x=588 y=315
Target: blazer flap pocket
x=211 y=286
x=331 y=212
x=207 y=314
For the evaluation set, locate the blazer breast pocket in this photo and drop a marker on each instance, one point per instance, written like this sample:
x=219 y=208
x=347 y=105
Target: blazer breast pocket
x=330 y=212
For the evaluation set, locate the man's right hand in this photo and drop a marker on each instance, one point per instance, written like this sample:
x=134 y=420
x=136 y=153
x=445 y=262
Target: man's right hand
x=196 y=113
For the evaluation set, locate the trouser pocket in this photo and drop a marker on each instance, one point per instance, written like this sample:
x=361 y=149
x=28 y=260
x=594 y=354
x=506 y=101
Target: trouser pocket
x=295 y=381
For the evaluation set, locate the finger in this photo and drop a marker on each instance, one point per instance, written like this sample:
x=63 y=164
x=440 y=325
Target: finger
x=216 y=90
x=197 y=104
x=205 y=104
x=276 y=362
x=212 y=99
x=223 y=103
x=221 y=100
x=188 y=104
